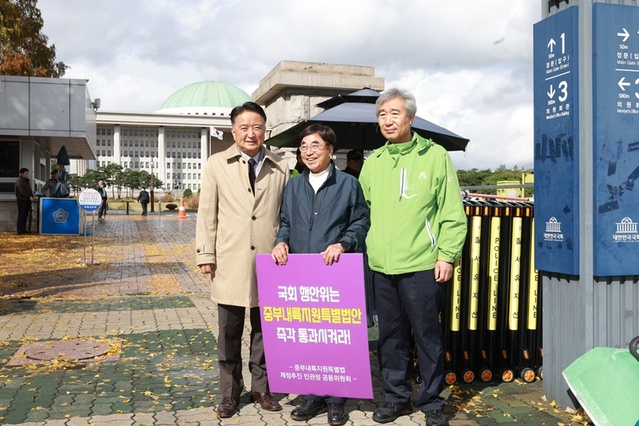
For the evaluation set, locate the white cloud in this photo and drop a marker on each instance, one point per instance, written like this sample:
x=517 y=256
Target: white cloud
x=468 y=63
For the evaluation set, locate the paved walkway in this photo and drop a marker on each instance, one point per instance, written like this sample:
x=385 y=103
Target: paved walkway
x=142 y=318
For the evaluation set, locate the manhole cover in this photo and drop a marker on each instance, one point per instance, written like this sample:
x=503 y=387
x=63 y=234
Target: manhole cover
x=68 y=351
x=78 y=351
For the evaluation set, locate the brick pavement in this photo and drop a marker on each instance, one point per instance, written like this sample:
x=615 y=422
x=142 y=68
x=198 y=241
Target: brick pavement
x=146 y=300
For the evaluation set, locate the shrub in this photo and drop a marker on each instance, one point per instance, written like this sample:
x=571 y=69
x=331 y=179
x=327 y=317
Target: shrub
x=167 y=198
x=171 y=206
x=192 y=202
x=187 y=193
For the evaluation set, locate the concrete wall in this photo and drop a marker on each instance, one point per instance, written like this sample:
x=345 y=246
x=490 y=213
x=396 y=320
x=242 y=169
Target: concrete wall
x=290 y=92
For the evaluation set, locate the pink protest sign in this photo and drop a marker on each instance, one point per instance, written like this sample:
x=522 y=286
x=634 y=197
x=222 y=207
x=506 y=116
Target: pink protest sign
x=314 y=325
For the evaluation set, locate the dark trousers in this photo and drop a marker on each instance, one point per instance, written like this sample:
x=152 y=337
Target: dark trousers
x=102 y=209
x=24 y=207
x=144 y=205
x=411 y=303
x=229 y=351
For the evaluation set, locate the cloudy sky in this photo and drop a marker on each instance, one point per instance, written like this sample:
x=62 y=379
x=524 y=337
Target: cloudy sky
x=469 y=63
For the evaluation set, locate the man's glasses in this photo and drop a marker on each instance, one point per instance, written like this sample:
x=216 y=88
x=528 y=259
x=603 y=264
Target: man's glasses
x=314 y=147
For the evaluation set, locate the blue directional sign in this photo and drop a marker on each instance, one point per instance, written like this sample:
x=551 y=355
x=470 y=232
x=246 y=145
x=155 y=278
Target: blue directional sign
x=616 y=139
x=556 y=107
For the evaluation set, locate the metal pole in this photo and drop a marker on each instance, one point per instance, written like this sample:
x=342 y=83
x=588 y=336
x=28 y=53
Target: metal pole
x=152 y=182
x=93 y=237
x=85 y=237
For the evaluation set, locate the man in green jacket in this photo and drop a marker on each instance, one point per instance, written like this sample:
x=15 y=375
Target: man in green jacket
x=418 y=229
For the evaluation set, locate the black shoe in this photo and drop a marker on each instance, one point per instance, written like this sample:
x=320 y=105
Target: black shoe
x=308 y=410
x=336 y=414
x=436 y=418
x=389 y=412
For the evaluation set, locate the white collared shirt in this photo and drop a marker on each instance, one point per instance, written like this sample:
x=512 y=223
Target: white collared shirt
x=259 y=159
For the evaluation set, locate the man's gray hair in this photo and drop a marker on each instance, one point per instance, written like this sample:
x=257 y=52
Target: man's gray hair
x=388 y=94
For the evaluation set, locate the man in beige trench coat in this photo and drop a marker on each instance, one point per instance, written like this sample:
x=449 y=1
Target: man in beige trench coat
x=236 y=220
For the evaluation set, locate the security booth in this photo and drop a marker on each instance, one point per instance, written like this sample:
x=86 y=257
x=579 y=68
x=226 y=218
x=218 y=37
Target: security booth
x=586 y=109
x=38 y=117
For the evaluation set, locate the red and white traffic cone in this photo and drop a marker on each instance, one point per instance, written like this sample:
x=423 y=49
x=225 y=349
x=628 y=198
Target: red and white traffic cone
x=182 y=210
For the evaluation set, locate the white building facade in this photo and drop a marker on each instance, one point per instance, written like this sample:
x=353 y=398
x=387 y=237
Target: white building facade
x=174 y=142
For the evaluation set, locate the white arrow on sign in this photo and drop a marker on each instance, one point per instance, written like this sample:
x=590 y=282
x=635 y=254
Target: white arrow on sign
x=551 y=44
x=623 y=83
x=551 y=92
x=625 y=34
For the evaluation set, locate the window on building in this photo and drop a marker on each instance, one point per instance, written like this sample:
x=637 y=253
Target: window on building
x=190 y=154
x=109 y=132
x=109 y=153
x=109 y=142
x=137 y=165
x=172 y=144
x=9 y=163
x=199 y=166
x=136 y=154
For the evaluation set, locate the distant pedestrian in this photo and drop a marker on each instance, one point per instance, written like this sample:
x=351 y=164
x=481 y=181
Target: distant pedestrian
x=299 y=166
x=51 y=187
x=24 y=195
x=63 y=179
x=354 y=162
x=102 y=210
x=143 y=199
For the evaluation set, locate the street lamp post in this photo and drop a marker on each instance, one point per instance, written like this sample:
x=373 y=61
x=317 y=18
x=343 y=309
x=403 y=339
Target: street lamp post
x=151 y=186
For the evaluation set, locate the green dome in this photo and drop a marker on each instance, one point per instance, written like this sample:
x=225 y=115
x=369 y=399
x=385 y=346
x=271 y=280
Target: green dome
x=206 y=94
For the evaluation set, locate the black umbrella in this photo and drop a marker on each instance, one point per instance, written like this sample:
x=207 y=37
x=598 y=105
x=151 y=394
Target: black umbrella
x=366 y=95
x=63 y=157
x=355 y=125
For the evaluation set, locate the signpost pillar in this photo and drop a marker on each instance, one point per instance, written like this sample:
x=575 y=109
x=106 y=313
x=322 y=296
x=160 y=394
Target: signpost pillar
x=586 y=103
x=90 y=201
